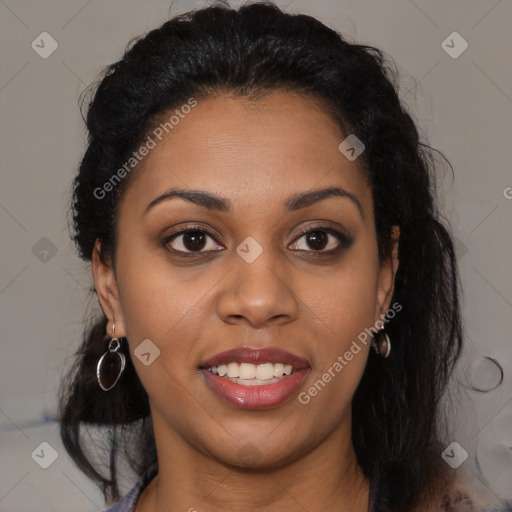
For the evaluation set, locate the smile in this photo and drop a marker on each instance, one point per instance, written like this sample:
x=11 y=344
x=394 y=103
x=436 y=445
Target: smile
x=255 y=378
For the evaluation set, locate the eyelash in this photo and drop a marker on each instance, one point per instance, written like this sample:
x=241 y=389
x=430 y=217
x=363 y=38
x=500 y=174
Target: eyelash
x=345 y=241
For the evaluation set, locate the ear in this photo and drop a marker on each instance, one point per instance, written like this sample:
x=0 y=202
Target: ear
x=387 y=275
x=108 y=293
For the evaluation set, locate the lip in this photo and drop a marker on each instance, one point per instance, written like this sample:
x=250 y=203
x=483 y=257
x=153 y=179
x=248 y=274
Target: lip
x=264 y=396
x=257 y=356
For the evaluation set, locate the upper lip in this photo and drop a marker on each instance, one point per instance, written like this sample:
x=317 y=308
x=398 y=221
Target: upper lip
x=256 y=356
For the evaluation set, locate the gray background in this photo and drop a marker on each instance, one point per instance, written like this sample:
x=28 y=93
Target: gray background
x=463 y=105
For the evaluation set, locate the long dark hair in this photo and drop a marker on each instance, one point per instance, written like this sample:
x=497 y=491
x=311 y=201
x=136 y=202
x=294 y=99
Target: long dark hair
x=250 y=52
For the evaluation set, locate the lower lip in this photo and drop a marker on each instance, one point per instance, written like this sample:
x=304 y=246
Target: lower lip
x=255 y=397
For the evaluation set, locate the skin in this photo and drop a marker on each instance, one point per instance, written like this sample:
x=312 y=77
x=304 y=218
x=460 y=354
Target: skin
x=256 y=154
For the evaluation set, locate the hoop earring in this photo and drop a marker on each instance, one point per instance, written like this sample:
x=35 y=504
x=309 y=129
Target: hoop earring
x=111 y=364
x=382 y=344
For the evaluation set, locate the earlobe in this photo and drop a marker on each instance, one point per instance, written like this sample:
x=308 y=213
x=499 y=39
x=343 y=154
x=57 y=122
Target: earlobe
x=387 y=274
x=106 y=288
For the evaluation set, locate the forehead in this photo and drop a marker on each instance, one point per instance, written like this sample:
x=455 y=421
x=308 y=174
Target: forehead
x=251 y=151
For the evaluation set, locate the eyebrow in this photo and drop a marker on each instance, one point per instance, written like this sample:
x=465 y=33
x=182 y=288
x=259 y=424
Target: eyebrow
x=213 y=202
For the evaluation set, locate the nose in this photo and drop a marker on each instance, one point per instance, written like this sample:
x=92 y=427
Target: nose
x=259 y=293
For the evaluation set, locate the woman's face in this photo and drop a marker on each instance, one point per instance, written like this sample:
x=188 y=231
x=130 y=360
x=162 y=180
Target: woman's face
x=249 y=277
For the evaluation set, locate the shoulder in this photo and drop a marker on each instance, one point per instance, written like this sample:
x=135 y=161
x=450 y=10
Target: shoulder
x=466 y=493
x=129 y=502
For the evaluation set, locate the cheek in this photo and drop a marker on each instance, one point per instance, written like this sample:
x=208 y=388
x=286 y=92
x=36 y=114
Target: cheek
x=169 y=305
x=341 y=354
x=348 y=302
x=348 y=297
x=346 y=306
x=154 y=295
x=161 y=308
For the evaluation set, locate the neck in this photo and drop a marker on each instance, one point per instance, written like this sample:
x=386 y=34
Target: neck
x=326 y=478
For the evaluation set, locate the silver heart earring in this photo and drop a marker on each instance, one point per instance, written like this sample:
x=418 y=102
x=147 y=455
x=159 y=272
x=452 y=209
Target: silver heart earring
x=111 y=364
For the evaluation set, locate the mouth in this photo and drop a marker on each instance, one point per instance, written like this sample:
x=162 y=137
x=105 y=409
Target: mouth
x=255 y=378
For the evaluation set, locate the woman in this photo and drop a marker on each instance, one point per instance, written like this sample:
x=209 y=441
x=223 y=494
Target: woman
x=257 y=208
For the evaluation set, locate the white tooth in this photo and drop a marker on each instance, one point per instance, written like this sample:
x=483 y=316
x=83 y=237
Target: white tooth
x=251 y=372
x=255 y=382
x=247 y=371
x=233 y=370
x=278 y=370
x=265 y=371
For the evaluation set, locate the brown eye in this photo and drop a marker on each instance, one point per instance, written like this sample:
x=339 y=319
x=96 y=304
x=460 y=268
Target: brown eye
x=317 y=240
x=324 y=240
x=190 y=241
